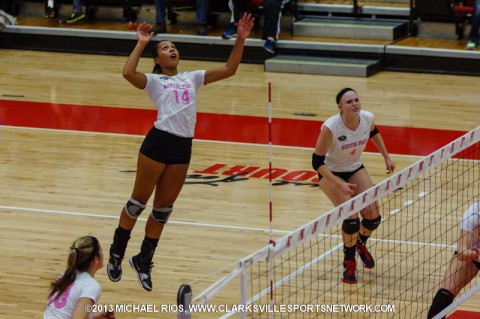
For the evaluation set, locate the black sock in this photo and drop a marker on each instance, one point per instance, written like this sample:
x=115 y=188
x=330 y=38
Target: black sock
x=120 y=241
x=349 y=252
x=148 y=249
x=442 y=300
x=362 y=239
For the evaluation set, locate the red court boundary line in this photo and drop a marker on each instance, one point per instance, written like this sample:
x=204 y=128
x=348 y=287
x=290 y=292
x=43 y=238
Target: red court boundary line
x=462 y=314
x=215 y=127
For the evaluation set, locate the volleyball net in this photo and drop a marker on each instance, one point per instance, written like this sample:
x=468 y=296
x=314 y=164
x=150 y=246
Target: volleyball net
x=299 y=275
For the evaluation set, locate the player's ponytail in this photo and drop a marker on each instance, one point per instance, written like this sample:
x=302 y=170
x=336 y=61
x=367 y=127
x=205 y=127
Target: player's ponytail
x=157 y=69
x=82 y=252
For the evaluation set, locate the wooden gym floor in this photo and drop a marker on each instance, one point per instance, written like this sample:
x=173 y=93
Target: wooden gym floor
x=70 y=128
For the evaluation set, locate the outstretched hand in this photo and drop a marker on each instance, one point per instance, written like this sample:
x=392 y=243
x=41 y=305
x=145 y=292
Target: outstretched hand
x=390 y=165
x=144 y=32
x=245 y=25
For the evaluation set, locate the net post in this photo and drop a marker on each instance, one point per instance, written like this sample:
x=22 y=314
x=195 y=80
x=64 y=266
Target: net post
x=243 y=293
x=184 y=300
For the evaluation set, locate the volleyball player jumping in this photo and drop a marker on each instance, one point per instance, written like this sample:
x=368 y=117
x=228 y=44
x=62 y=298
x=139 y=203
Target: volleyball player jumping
x=165 y=154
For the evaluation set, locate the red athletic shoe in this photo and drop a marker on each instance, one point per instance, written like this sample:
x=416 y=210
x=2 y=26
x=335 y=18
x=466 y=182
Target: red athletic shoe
x=367 y=259
x=349 y=268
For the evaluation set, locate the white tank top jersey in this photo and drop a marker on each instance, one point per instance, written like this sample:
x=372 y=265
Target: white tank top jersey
x=471 y=222
x=175 y=98
x=84 y=286
x=345 y=152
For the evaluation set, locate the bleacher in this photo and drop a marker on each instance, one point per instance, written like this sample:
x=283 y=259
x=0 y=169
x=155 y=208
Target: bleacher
x=462 y=11
x=374 y=29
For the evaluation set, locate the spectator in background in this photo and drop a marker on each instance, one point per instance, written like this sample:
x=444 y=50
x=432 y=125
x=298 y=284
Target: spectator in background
x=9 y=6
x=271 y=24
x=161 y=17
x=201 y=16
x=237 y=7
x=76 y=16
x=50 y=11
x=473 y=36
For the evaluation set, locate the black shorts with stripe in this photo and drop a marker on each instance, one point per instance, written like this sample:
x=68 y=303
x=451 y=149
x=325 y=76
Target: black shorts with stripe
x=167 y=148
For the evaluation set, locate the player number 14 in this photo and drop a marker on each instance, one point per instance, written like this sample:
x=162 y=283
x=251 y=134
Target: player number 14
x=185 y=98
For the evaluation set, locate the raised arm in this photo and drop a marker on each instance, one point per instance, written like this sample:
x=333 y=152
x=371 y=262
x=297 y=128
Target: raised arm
x=130 y=73
x=380 y=145
x=243 y=31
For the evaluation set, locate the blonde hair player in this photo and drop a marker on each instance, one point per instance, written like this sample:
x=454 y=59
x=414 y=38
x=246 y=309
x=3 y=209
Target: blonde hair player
x=76 y=291
x=337 y=160
x=165 y=153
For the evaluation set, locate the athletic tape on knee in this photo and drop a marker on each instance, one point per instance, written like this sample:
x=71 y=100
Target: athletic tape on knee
x=161 y=215
x=134 y=208
x=351 y=226
x=372 y=224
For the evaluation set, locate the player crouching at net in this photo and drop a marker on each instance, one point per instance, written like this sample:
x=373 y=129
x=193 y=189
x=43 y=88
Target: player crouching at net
x=165 y=153
x=337 y=159
x=465 y=263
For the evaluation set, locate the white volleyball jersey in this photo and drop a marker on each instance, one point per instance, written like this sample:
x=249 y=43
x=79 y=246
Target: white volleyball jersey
x=175 y=98
x=471 y=222
x=84 y=286
x=345 y=152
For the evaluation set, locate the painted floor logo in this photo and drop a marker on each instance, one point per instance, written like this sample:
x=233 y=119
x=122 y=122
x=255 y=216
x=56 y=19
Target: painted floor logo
x=217 y=174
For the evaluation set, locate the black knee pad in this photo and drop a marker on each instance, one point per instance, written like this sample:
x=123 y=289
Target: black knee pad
x=372 y=224
x=351 y=226
x=161 y=215
x=442 y=300
x=134 y=208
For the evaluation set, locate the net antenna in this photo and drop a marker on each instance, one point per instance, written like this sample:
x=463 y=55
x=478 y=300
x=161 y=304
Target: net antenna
x=270 y=194
x=422 y=206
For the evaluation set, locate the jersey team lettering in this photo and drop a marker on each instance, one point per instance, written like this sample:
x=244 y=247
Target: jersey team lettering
x=289 y=308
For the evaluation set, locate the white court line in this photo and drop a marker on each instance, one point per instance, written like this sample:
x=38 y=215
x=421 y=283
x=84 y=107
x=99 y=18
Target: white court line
x=59 y=212
x=195 y=139
x=408 y=202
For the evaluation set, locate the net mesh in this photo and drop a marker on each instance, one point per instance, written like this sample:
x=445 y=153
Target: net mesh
x=421 y=207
